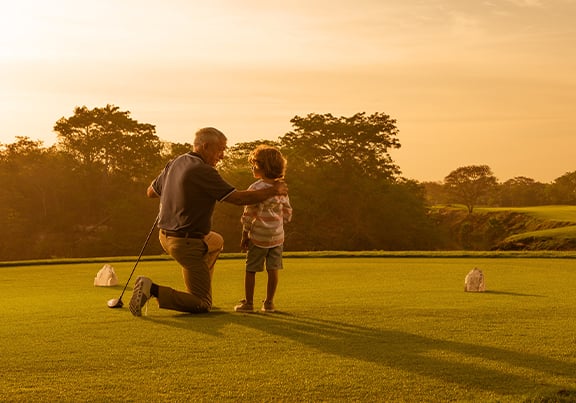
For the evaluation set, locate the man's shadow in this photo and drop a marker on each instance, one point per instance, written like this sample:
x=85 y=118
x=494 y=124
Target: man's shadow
x=447 y=361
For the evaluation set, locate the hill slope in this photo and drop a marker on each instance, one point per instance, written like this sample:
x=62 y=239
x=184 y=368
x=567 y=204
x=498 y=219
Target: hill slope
x=529 y=228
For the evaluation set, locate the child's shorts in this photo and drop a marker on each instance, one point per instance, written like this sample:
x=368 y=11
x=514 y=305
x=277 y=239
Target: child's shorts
x=257 y=256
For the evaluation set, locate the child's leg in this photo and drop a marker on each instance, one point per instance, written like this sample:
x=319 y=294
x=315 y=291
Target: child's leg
x=249 y=285
x=272 y=285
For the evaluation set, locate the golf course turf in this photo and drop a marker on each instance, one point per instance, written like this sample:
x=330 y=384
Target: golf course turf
x=398 y=329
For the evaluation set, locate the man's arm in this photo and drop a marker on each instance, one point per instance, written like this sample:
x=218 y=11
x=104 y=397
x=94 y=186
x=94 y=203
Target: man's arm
x=246 y=197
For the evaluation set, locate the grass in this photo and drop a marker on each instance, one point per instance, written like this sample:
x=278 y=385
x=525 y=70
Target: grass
x=554 y=233
x=554 y=213
x=350 y=329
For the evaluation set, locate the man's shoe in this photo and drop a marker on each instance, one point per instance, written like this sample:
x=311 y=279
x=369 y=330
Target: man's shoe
x=140 y=295
x=244 y=306
x=268 y=306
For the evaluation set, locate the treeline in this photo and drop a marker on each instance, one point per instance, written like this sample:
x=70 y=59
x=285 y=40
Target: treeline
x=85 y=195
x=476 y=185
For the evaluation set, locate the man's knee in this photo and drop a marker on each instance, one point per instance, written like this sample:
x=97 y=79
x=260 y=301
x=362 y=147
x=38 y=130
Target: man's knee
x=214 y=241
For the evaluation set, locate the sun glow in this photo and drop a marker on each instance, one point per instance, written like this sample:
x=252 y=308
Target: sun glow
x=454 y=74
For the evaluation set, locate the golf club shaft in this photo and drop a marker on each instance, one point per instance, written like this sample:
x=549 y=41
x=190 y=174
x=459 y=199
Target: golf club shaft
x=140 y=255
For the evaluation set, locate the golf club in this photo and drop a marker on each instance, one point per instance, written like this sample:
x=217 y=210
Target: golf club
x=117 y=302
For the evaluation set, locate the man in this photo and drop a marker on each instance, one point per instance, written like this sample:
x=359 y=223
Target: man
x=188 y=188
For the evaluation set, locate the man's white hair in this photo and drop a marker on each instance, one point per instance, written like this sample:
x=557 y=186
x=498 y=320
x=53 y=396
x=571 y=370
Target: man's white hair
x=208 y=135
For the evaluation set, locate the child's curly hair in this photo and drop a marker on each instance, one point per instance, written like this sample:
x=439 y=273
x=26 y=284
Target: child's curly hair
x=269 y=160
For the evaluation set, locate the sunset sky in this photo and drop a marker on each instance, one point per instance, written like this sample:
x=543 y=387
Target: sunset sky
x=468 y=81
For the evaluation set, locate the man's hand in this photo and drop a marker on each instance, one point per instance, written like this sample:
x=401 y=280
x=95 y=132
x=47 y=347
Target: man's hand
x=281 y=188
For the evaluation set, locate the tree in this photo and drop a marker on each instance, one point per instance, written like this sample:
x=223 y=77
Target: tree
x=563 y=189
x=522 y=191
x=37 y=198
x=435 y=193
x=237 y=155
x=469 y=184
x=344 y=185
x=360 y=143
x=109 y=140
x=173 y=150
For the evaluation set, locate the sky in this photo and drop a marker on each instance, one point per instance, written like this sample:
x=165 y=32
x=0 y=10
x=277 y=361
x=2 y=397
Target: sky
x=469 y=82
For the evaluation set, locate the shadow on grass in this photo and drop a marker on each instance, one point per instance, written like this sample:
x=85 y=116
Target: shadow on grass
x=514 y=294
x=470 y=365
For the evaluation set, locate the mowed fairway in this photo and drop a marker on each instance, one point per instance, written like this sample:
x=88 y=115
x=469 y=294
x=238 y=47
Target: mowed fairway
x=349 y=329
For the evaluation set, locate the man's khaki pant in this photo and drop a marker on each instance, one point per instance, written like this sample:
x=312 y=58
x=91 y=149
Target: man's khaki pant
x=197 y=258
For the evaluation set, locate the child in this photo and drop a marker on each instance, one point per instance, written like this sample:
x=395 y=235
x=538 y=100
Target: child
x=263 y=228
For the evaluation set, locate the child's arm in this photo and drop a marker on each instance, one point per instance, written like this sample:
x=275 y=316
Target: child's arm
x=287 y=210
x=244 y=242
x=248 y=216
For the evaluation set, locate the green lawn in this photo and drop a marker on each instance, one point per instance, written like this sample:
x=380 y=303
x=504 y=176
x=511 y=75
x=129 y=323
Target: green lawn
x=349 y=329
x=555 y=233
x=555 y=213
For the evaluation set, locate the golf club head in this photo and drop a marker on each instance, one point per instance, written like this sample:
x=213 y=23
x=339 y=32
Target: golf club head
x=115 y=303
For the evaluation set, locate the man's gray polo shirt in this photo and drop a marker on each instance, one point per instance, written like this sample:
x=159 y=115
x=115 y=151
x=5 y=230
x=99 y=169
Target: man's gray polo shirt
x=189 y=189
